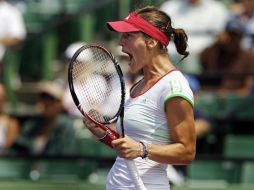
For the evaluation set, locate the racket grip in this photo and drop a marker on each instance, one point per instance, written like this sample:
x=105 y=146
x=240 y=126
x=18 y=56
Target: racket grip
x=109 y=137
x=135 y=175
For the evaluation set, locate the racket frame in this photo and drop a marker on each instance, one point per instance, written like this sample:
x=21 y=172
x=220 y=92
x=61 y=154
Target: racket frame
x=120 y=111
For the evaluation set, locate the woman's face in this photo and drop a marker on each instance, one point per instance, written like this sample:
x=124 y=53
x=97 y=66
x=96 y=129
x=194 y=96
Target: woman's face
x=134 y=44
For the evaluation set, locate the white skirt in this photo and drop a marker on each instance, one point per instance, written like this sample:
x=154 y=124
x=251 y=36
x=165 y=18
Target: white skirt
x=153 y=175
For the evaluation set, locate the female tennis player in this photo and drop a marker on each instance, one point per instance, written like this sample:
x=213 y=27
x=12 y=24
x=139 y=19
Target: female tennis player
x=159 y=122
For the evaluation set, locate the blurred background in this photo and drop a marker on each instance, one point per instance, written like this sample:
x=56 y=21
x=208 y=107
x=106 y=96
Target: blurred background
x=43 y=142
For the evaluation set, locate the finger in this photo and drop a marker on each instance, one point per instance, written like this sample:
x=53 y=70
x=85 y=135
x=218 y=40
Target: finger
x=88 y=123
x=117 y=142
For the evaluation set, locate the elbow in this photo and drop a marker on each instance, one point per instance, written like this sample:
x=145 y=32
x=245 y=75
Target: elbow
x=190 y=156
x=190 y=151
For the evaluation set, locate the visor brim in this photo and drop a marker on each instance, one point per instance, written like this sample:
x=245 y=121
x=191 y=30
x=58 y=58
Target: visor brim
x=121 y=26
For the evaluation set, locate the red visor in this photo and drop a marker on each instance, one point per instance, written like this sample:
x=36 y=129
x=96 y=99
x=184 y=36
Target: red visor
x=134 y=23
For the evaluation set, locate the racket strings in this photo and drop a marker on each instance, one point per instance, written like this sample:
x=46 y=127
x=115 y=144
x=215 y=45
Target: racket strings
x=97 y=83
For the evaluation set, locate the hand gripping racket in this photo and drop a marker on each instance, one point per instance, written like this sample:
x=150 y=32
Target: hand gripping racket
x=98 y=90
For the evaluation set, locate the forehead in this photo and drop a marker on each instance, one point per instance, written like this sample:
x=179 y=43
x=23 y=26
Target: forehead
x=131 y=33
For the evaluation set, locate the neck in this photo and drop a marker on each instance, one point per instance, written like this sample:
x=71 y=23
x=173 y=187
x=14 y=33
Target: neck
x=160 y=66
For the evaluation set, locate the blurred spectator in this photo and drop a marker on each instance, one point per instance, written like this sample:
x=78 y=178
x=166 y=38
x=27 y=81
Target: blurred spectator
x=12 y=28
x=246 y=16
x=20 y=4
x=52 y=133
x=202 y=20
x=235 y=6
x=229 y=60
x=9 y=127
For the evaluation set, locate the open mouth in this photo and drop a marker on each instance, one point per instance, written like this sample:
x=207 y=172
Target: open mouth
x=129 y=55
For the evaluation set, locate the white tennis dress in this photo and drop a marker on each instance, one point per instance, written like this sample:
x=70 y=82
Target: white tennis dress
x=145 y=120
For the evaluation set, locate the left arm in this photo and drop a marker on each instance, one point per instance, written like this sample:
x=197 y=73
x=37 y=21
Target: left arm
x=182 y=149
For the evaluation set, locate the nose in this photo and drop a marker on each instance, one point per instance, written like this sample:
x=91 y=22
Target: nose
x=121 y=40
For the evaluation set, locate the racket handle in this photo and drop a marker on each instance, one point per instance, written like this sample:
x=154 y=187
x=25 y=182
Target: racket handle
x=109 y=137
x=134 y=175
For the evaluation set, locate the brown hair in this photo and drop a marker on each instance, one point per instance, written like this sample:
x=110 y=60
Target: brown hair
x=162 y=21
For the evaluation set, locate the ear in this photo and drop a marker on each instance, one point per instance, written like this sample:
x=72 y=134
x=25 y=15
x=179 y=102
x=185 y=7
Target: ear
x=152 y=43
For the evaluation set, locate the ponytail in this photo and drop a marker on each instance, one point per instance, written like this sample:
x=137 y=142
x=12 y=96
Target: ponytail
x=180 y=39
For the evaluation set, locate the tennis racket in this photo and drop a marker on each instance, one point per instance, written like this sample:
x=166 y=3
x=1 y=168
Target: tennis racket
x=97 y=87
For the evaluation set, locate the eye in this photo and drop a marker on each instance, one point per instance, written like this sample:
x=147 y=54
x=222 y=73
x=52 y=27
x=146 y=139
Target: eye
x=126 y=35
